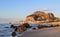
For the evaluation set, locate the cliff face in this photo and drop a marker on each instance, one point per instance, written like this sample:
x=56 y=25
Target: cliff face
x=41 y=16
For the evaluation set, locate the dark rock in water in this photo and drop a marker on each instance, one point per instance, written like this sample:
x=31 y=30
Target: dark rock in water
x=15 y=29
x=34 y=28
x=39 y=26
x=12 y=26
x=26 y=25
x=51 y=26
x=13 y=34
x=6 y=27
x=20 y=29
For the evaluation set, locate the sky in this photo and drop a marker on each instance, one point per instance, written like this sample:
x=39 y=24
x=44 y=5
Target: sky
x=19 y=9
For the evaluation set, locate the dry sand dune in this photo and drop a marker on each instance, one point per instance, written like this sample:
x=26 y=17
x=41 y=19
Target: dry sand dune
x=46 y=32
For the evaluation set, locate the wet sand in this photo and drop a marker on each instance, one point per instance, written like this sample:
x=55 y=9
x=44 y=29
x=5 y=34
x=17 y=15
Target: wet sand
x=45 y=32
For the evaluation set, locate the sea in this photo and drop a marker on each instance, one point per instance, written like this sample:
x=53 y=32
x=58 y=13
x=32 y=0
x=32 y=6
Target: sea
x=5 y=30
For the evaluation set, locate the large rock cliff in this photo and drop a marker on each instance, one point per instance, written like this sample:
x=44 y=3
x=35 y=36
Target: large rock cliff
x=41 y=16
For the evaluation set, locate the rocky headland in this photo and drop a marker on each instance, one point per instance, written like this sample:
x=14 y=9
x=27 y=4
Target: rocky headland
x=39 y=17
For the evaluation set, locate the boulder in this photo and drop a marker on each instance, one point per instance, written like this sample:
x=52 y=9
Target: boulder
x=26 y=25
x=12 y=26
x=21 y=29
x=13 y=34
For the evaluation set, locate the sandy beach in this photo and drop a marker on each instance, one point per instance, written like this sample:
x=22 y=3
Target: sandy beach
x=45 y=32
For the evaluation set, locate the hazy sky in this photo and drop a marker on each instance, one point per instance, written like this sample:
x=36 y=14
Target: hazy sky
x=19 y=9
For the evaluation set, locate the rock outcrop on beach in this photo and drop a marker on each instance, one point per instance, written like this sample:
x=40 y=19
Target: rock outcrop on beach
x=42 y=16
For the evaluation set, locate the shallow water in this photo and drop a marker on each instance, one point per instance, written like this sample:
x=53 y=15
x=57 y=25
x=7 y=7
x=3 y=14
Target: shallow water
x=6 y=32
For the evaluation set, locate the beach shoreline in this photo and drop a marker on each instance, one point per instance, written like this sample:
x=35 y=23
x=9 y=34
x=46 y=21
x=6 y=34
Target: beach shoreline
x=45 y=32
